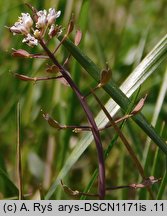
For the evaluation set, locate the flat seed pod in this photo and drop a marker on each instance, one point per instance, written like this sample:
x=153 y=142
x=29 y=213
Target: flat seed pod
x=78 y=37
x=139 y=106
x=51 y=121
x=105 y=76
x=52 y=69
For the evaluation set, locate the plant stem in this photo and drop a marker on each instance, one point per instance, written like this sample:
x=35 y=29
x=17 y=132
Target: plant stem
x=94 y=128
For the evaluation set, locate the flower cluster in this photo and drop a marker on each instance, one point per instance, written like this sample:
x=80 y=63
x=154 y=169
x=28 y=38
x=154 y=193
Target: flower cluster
x=43 y=20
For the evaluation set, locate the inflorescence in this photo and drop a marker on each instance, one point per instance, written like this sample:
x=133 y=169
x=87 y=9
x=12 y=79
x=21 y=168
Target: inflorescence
x=44 y=22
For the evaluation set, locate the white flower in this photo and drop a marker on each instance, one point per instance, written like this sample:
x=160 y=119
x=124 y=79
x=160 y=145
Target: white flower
x=23 y=25
x=26 y=19
x=41 y=20
x=52 y=15
x=45 y=21
x=18 y=28
x=30 y=40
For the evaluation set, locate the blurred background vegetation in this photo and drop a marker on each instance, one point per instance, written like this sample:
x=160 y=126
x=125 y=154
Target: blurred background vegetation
x=120 y=32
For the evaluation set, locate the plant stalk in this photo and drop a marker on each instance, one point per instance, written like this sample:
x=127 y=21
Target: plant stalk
x=94 y=128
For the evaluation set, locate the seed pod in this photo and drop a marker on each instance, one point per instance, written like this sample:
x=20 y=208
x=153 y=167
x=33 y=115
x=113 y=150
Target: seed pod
x=69 y=191
x=105 y=76
x=21 y=53
x=51 y=121
x=52 y=69
x=139 y=106
x=24 y=77
x=78 y=37
x=70 y=26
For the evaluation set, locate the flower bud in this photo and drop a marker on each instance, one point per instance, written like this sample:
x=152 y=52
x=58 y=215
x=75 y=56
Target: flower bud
x=41 y=20
x=26 y=19
x=19 y=28
x=52 y=15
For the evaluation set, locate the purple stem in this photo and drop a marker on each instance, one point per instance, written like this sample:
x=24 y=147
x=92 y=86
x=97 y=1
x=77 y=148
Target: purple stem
x=94 y=128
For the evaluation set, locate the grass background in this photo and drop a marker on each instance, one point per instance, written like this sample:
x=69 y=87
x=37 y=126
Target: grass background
x=120 y=32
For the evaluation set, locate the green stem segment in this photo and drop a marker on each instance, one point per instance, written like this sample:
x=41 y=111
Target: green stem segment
x=90 y=118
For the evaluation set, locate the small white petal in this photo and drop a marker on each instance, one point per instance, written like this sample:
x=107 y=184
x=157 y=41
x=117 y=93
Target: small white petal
x=51 y=11
x=58 y=14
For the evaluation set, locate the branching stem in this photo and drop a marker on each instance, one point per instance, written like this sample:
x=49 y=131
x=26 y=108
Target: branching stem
x=94 y=128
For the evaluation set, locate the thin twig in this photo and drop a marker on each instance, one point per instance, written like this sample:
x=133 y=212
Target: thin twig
x=35 y=79
x=145 y=184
